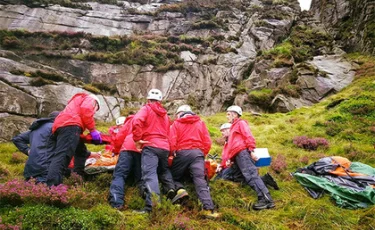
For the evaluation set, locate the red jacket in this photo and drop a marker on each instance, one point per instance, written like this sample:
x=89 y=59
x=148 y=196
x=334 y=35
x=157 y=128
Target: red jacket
x=79 y=111
x=113 y=132
x=124 y=131
x=240 y=138
x=190 y=132
x=129 y=144
x=224 y=156
x=151 y=123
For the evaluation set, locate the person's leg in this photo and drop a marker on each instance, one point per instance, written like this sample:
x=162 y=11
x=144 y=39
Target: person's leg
x=138 y=173
x=117 y=188
x=236 y=174
x=164 y=172
x=250 y=173
x=149 y=175
x=179 y=166
x=67 y=140
x=81 y=154
x=200 y=183
x=178 y=170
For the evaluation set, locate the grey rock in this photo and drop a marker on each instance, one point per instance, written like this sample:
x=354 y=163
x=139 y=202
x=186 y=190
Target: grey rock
x=188 y=56
x=12 y=125
x=285 y=104
x=15 y=101
x=358 y=14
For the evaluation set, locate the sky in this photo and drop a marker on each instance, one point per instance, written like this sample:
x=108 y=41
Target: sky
x=305 y=4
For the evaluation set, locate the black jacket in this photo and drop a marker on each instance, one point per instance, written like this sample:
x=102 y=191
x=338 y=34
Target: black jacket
x=40 y=142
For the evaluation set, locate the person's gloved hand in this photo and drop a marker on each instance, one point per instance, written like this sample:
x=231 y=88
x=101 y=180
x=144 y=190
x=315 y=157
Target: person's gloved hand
x=96 y=138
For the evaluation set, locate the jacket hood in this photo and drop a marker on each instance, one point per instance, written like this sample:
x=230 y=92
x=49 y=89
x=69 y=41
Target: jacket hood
x=129 y=118
x=189 y=118
x=158 y=108
x=78 y=95
x=36 y=124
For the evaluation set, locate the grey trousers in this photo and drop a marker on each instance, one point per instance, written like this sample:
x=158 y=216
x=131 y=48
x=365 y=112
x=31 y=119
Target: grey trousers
x=192 y=160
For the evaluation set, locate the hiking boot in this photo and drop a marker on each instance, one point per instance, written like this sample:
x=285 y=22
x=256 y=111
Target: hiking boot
x=263 y=204
x=210 y=214
x=171 y=194
x=181 y=196
x=268 y=180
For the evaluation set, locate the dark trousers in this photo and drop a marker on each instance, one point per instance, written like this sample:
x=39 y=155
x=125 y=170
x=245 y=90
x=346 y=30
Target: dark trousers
x=68 y=144
x=192 y=160
x=154 y=161
x=233 y=173
x=128 y=161
x=245 y=165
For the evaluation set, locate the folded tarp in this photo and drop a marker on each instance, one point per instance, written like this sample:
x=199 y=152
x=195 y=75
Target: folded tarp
x=352 y=189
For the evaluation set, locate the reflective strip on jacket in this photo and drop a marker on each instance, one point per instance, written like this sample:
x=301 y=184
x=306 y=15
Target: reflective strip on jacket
x=79 y=111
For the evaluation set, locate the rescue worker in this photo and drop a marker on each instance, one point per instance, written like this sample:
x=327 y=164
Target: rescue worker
x=77 y=116
x=224 y=170
x=150 y=131
x=190 y=143
x=113 y=132
x=37 y=143
x=129 y=161
x=228 y=171
x=241 y=143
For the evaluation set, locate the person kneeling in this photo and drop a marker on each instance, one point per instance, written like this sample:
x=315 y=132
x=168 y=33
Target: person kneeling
x=190 y=142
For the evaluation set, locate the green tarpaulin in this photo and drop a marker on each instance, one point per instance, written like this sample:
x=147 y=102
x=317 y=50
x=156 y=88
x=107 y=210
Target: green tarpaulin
x=344 y=196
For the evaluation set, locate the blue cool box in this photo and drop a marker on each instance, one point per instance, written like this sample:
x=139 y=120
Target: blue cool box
x=264 y=157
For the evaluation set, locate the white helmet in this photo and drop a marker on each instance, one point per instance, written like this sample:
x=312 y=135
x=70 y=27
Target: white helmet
x=225 y=126
x=96 y=98
x=235 y=108
x=184 y=108
x=120 y=120
x=155 y=94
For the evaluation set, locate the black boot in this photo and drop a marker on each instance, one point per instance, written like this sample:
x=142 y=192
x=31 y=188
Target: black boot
x=264 y=203
x=268 y=180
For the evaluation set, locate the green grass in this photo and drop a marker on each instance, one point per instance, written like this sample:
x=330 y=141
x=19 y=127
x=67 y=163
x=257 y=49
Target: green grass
x=346 y=120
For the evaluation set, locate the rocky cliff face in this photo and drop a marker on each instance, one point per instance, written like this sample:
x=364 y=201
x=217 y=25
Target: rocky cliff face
x=234 y=32
x=261 y=54
x=352 y=22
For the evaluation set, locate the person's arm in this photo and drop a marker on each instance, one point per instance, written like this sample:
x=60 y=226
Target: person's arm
x=22 y=142
x=87 y=112
x=247 y=135
x=206 y=139
x=173 y=138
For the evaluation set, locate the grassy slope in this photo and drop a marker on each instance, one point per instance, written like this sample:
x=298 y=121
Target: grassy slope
x=348 y=126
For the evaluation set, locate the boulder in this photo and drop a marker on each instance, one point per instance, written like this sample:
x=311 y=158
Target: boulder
x=284 y=104
x=15 y=101
x=334 y=73
x=12 y=125
x=55 y=97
